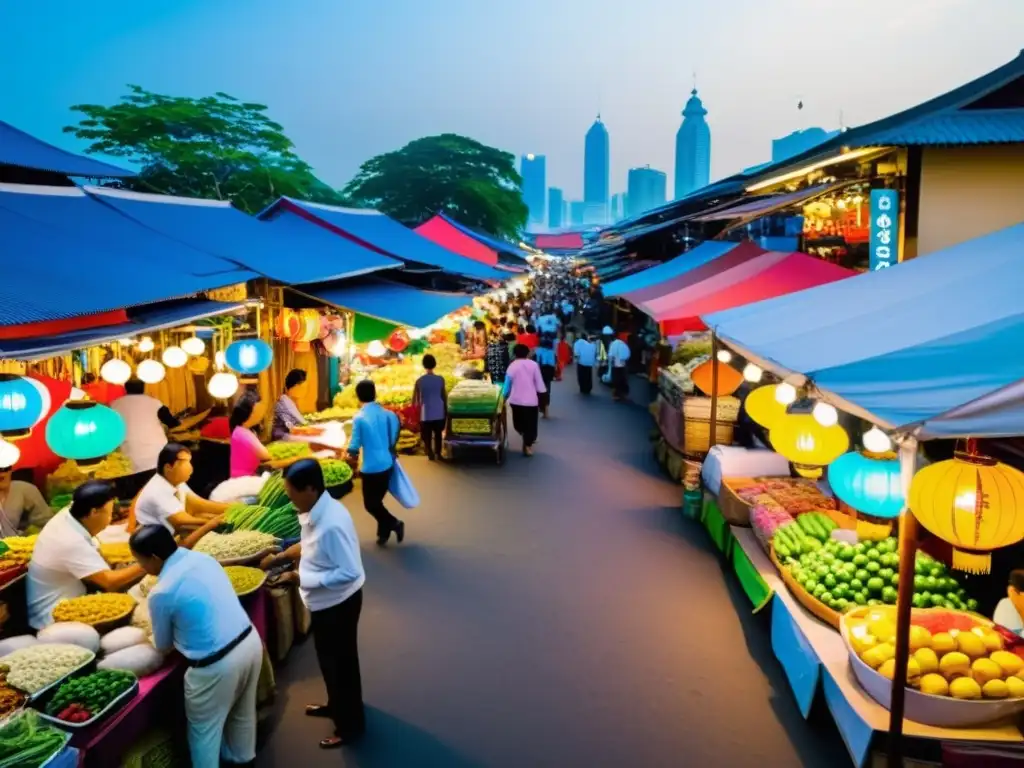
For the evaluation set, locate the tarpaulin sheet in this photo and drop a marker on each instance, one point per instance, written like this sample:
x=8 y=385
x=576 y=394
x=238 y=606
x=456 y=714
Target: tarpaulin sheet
x=393 y=302
x=440 y=231
x=699 y=256
x=503 y=247
x=565 y=241
x=741 y=254
x=26 y=151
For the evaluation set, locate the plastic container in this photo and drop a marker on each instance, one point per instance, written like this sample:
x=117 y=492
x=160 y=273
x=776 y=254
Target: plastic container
x=115 y=705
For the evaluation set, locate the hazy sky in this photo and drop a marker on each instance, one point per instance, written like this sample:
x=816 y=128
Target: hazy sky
x=351 y=78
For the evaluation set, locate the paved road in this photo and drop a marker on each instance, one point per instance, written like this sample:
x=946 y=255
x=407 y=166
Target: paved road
x=556 y=611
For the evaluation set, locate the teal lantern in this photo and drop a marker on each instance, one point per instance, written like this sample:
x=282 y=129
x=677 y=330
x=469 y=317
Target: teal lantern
x=868 y=482
x=249 y=356
x=84 y=431
x=22 y=405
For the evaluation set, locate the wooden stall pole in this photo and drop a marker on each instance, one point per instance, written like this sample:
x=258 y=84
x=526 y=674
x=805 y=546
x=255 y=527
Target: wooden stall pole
x=713 y=422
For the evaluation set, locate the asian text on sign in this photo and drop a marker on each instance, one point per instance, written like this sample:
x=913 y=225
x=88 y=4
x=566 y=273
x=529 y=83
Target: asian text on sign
x=885 y=212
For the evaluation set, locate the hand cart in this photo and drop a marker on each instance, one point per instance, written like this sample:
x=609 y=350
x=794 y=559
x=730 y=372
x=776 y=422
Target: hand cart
x=477 y=430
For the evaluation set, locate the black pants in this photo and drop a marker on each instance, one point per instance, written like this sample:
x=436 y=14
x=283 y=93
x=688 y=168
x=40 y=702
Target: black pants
x=585 y=377
x=335 y=636
x=524 y=421
x=547 y=372
x=620 y=383
x=375 y=488
x=431 y=433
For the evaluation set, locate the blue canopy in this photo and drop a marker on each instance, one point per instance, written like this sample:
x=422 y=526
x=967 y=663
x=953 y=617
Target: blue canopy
x=288 y=249
x=698 y=257
x=394 y=302
x=930 y=346
x=143 y=320
x=385 y=235
x=25 y=151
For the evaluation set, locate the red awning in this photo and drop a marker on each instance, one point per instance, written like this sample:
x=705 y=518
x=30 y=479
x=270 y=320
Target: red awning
x=743 y=253
x=567 y=241
x=795 y=272
x=444 y=234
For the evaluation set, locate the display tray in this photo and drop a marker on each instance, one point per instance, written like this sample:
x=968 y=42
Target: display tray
x=114 y=705
x=805 y=598
x=31 y=698
x=734 y=508
x=253 y=589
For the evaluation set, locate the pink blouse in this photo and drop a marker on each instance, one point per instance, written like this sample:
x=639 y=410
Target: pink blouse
x=245 y=453
x=523 y=382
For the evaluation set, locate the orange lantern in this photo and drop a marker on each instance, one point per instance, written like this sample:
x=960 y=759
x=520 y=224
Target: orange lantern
x=806 y=443
x=762 y=406
x=288 y=324
x=971 y=501
x=729 y=379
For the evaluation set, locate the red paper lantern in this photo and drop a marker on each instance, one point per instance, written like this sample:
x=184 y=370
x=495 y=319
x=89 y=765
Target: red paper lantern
x=398 y=340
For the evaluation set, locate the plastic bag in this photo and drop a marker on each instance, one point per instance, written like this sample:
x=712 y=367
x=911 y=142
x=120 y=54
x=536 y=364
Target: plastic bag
x=402 y=489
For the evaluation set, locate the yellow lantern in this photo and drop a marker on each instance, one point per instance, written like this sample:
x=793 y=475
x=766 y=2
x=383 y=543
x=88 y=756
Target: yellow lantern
x=806 y=443
x=763 y=407
x=972 y=502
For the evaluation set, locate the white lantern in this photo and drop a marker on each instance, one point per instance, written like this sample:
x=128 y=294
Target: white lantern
x=194 y=346
x=876 y=441
x=218 y=359
x=785 y=393
x=9 y=454
x=146 y=344
x=115 y=371
x=151 y=371
x=825 y=414
x=174 y=357
x=752 y=373
x=222 y=385
x=724 y=356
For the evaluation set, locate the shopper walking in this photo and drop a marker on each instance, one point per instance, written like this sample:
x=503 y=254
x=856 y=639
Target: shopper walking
x=585 y=352
x=618 y=358
x=374 y=433
x=546 y=359
x=431 y=400
x=523 y=385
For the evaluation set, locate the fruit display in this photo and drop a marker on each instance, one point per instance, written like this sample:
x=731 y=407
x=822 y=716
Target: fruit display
x=273 y=495
x=94 y=609
x=117 y=553
x=281 y=522
x=408 y=441
x=282 y=449
x=765 y=521
x=470 y=396
x=688 y=350
x=334 y=413
x=33 y=668
x=236 y=545
x=336 y=472
x=68 y=476
x=806 y=534
x=85 y=697
x=19 y=550
x=28 y=742
x=244 y=579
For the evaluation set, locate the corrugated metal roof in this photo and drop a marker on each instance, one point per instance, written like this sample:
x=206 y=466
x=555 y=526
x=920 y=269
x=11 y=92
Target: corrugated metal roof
x=25 y=151
x=985 y=126
x=393 y=302
x=288 y=248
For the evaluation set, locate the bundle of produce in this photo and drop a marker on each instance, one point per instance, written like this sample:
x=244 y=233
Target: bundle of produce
x=33 y=668
x=281 y=449
x=10 y=699
x=470 y=396
x=99 y=608
x=60 y=501
x=688 y=349
x=18 y=552
x=471 y=426
x=237 y=545
x=117 y=553
x=766 y=521
x=336 y=472
x=81 y=699
x=346 y=399
x=806 y=534
x=244 y=579
x=281 y=522
x=68 y=476
x=27 y=742
x=273 y=494
x=334 y=413
x=408 y=441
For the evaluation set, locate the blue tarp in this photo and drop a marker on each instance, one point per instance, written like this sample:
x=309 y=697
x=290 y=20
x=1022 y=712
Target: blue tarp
x=930 y=345
x=386 y=235
x=142 y=320
x=25 y=151
x=698 y=257
x=396 y=303
x=288 y=249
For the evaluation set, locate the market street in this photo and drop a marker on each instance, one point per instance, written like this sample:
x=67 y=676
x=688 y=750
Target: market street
x=557 y=611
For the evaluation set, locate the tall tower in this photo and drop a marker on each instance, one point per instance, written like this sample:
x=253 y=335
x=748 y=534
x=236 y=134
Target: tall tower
x=533 y=169
x=693 y=148
x=595 y=173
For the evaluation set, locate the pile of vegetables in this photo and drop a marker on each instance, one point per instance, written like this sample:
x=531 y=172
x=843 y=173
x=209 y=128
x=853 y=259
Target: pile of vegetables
x=68 y=476
x=273 y=495
x=18 y=551
x=118 y=553
x=82 y=698
x=408 y=441
x=282 y=449
x=235 y=545
x=94 y=609
x=336 y=472
x=282 y=522
x=333 y=413
x=26 y=741
x=806 y=534
x=33 y=668
x=10 y=699
x=244 y=579
x=60 y=501
x=471 y=426
x=689 y=349
x=470 y=396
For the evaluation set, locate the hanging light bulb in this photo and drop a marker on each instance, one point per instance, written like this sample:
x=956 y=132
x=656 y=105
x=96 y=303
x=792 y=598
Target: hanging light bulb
x=785 y=393
x=876 y=441
x=219 y=359
x=174 y=357
x=752 y=373
x=222 y=385
x=724 y=356
x=9 y=454
x=825 y=414
x=146 y=344
x=194 y=346
x=115 y=371
x=151 y=371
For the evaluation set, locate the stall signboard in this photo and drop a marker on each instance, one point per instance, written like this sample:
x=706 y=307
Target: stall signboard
x=885 y=221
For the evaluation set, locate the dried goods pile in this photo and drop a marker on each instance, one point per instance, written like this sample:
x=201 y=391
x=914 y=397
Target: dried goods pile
x=236 y=545
x=68 y=476
x=244 y=579
x=18 y=551
x=118 y=553
x=287 y=450
x=33 y=668
x=94 y=609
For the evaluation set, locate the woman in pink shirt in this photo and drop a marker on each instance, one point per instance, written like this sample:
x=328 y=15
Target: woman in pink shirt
x=523 y=382
x=247 y=452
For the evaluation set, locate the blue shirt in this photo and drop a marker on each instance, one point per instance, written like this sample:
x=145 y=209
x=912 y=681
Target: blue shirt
x=567 y=307
x=374 y=431
x=194 y=607
x=585 y=352
x=544 y=356
x=548 y=324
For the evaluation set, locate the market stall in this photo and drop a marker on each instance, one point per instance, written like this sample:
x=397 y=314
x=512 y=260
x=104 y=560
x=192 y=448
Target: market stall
x=476 y=419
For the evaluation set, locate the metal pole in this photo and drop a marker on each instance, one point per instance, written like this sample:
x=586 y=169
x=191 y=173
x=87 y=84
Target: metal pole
x=712 y=441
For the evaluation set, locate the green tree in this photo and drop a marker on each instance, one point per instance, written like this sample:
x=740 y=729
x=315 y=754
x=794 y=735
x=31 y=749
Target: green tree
x=475 y=184
x=214 y=147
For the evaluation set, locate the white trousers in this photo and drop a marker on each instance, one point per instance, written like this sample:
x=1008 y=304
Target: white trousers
x=220 y=702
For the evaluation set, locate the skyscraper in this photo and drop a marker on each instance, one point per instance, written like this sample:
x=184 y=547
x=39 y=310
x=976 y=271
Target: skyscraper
x=646 y=190
x=693 y=148
x=595 y=173
x=534 y=172
x=577 y=210
x=556 y=202
x=615 y=211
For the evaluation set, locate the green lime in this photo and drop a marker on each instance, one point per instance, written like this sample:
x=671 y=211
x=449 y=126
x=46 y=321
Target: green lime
x=874 y=555
x=873 y=567
x=889 y=595
x=830 y=581
x=885 y=574
x=860 y=560
x=938 y=600
x=856 y=585
x=875 y=584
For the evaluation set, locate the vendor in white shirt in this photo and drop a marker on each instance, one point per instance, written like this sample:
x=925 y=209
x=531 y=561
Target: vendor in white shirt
x=67 y=561
x=167 y=500
x=145 y=419
x=1010 y=610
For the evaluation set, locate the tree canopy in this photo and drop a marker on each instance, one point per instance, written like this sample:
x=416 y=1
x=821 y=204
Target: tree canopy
x=214 y=146
x=475 y=184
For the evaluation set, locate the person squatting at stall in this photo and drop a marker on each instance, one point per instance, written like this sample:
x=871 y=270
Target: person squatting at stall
x=194 y=610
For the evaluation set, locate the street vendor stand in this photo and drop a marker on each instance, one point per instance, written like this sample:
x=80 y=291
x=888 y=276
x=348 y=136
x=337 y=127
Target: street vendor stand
x=478 y=430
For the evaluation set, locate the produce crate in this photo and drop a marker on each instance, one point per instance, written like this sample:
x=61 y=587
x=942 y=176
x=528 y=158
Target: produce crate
x=495 y=438
x=115 y=705
x=805 y=598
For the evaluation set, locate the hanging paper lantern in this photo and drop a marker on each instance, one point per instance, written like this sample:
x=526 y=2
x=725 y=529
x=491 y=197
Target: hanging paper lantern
x=193 y=345
x=9 y=454
x=288 y=324
x=807 y=444
x=729 y=379
x=876 y=441
x=398 y=340
x=219 y=360
x=334 y=343
x=84 y=431
x=21 y=406
x=146 y=344
x=752 y=373
x=310 y=326
x=825 y=414
x=115 y=371
x=151 y=371
x=868 y=482
x=44 y=395
x=724 y=356
x=174 y=357
x=249 y=356
x=198 y=365
x=222 y=385
x=763 y=407
x=785 y=393
x=973 y=502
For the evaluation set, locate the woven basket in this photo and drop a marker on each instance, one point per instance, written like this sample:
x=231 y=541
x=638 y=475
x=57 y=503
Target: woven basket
x=734 y=509
x=805 y=598
x=700 y=408
x=697 y=435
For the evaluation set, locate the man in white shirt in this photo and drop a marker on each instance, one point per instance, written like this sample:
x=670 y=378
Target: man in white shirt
x=618 y=356
x=584 y=351
x=167 y=500
x=1008 y=611
x=144 y=418
x=195 y=610
x=330 y=579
